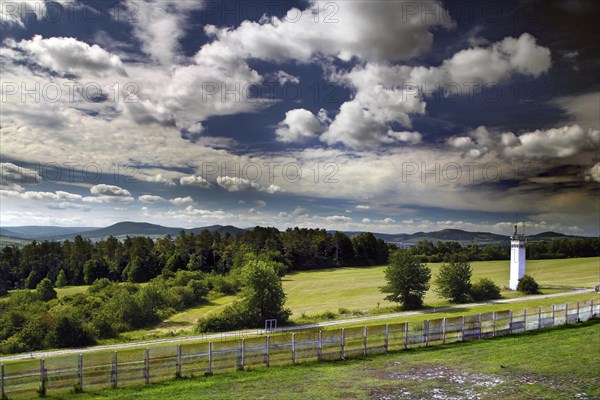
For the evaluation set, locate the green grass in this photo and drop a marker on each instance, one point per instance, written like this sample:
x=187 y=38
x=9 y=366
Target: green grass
x=71 y=290
x=358 y=288
x=557 y=363
x=313 y=292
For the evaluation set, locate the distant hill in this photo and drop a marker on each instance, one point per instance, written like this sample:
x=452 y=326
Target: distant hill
x=462 y=237
x=8 y=233
x=118 y=230
x=122 y=229
x=41 y=232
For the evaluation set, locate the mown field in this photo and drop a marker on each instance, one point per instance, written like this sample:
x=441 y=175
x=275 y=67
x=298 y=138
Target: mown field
x=314 y=292
x=556 y=363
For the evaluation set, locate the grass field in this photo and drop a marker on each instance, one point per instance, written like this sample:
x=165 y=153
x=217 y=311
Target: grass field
x=313 y=292
x=557 y=363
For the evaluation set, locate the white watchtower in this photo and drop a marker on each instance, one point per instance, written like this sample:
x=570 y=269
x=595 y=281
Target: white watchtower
x=517 y=259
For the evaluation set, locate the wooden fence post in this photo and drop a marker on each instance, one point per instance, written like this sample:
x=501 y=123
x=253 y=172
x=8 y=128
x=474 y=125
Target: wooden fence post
x=462 y=328
x=539 y=317
x=365 y=333
x=510 y=322
x=147 y=366
x=2 y=381
x=566 y=313
x=243 y=355
x=210 y=361
x=387 y=337
x=267 y=345
x=320 y=346
x=178 y=362
x=494 y=318
x=592 y=308
x=524 y=319
x=426 y=332
x=115 y=370
x=80 y=371
x=43 y=375
x=293 y=348
x=577 y=311
x=342 y=356
x=553 y=314
x=479 y=322
x=406 y=335
x=444 y=330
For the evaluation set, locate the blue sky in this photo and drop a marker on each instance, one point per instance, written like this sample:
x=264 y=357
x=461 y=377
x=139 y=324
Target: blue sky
x=388 y=116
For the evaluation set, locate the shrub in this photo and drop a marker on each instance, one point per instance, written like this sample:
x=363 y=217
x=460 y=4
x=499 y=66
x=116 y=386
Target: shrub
x=46 y=290
x=99 y=285
x=327 y=314
x=528 y=285
x=485 y=289
x=231 y=318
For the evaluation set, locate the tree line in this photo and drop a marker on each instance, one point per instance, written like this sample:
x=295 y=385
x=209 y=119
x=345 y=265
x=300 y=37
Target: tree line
x=139 y=259
x=428 y=251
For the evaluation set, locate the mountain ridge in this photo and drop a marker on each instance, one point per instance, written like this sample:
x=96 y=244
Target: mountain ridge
x=130 y=228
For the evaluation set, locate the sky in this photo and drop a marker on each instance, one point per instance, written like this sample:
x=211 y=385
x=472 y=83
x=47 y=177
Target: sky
x=384 y=116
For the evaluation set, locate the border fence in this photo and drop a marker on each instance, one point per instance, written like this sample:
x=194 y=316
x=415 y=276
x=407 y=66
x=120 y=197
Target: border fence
x=134 y=366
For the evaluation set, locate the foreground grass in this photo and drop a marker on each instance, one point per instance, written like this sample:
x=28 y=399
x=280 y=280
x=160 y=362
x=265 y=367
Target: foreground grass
x=556 y=363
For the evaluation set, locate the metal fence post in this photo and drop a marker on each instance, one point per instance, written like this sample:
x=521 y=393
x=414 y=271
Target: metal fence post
x=462 y=328
x=365 y=333
x=178 y=362
x=577 y=311
x=494 y=318
x=592 y=308
x=426 y=332
x=539 y=317
x=510 y=322
x=525 y=319
x=343 y=345
x=147 y=366
x=80 y=371
x=210 y=350
x=566 y=313
x=553 y=314
x=267 y=344
x=406 y=335
x=320 y=346
x=387 y=336
x=478 y=326
x=293 y=348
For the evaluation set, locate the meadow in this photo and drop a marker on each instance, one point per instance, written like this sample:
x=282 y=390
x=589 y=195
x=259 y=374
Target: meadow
x=314 y=292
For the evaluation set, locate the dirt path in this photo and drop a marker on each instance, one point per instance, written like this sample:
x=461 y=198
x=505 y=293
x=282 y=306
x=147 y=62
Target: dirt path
x=239 y=334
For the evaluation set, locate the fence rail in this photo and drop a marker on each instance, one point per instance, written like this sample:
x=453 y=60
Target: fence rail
x=188 y=359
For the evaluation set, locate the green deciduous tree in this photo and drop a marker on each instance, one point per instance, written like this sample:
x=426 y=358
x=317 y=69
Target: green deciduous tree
x=61 y=279
x=454 y=279
x=407 y=280
x=46 y=290
x=262 y=292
